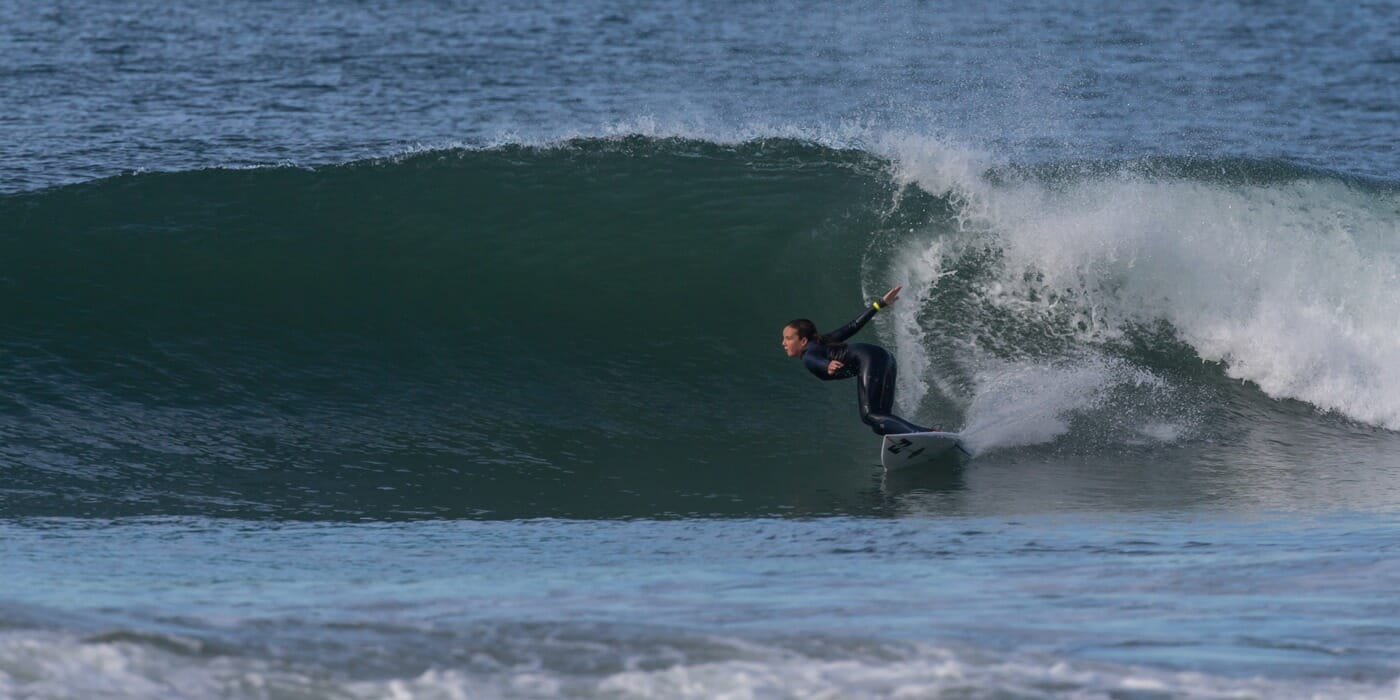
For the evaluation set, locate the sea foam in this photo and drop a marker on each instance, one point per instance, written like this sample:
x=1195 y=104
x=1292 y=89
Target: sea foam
x=1287 y=278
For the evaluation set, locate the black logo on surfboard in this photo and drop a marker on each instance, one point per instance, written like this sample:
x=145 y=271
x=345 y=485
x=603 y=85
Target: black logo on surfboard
x=900 y=444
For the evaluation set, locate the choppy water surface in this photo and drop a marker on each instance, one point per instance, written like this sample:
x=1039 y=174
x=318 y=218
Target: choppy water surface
x=1184 y=605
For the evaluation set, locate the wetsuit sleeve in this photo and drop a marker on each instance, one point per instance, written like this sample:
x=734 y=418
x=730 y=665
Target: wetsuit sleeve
x=841 y=334
x=816 y=364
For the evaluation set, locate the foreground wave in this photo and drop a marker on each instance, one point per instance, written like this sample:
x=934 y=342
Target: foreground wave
x=1219 y=606
x=591 y=327
x=55 y=667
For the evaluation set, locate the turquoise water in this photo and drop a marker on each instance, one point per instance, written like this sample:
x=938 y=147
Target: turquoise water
x=433 y=351
x=557 y=332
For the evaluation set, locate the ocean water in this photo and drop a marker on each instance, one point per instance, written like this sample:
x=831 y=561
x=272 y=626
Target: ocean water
x=431 y=350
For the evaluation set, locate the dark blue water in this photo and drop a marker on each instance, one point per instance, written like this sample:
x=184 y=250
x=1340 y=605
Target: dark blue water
x=92 y=90
x=432 y=350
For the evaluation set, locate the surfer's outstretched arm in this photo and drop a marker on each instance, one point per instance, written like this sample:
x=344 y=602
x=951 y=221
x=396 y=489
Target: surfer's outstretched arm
x=841 y=334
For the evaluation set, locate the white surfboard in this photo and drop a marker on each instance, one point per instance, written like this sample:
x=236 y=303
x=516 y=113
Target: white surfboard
x=913 y=449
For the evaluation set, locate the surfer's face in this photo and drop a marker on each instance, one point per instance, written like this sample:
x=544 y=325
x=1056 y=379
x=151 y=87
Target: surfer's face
x=792 y=344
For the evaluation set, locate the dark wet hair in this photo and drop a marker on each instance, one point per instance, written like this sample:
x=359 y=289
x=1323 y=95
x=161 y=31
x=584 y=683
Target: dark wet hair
x=808 y=330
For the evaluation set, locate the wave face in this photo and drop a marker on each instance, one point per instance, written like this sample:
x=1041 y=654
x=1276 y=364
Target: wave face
x=592 y=327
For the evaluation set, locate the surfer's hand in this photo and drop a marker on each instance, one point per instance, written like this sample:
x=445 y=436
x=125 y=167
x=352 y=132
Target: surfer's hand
x=891 y=295
x=832 y=366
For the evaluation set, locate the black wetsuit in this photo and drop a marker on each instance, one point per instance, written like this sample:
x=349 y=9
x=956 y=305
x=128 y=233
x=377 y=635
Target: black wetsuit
x=874 y=370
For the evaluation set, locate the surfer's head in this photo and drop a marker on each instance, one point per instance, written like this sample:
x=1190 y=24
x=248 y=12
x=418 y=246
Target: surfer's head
x=796 y=335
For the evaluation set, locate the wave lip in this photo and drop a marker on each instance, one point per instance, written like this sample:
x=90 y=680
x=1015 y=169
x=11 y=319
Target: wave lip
x=1284 y=276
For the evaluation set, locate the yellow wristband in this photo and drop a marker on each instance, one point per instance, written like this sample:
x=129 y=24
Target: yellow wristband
x=875 y=304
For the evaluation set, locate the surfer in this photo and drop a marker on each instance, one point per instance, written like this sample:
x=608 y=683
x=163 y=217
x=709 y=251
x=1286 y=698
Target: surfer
x=828 y=357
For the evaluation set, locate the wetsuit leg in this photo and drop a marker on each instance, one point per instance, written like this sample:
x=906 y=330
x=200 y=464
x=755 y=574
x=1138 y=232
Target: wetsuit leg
x=875 y=389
